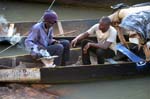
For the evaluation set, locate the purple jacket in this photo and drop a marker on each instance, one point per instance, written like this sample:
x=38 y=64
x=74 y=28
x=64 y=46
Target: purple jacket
x=37 y=36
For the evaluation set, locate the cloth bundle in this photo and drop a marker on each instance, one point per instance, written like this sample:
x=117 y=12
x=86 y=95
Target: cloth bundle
x=139 y=22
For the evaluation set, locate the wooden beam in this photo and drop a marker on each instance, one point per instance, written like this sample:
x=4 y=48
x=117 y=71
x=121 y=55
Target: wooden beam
x=11 y=30
x=14 y=56
x=60 y=28
x=70 y=32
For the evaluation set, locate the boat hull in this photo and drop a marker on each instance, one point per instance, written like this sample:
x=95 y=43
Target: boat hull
x=93 y=3
x=25 y=69
x=35 y=73
x=91 y=73
x=71 y=74
x=61 y=28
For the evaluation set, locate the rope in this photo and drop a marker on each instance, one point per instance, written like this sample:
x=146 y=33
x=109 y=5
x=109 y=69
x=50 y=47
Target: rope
x=38 y=21
x=6 y=49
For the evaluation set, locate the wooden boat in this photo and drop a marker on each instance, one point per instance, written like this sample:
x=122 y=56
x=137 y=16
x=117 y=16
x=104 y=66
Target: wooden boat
x=61 y=74
x=61 y=28
x=94 y=3
x=67 y=74
x=25 y=69
x=66 y=28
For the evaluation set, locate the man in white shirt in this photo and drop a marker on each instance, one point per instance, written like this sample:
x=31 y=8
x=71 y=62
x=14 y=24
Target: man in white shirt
x=105 y=45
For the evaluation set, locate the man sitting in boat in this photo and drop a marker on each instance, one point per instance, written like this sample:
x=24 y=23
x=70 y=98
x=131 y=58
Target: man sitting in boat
x=138 y=28
x=41 y=43
x=106 y=37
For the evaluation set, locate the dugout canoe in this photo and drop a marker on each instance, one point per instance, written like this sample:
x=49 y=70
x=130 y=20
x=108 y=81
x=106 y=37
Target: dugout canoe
x=24 y=69
x=91 y=3
x=61 y=28
x=66 y=74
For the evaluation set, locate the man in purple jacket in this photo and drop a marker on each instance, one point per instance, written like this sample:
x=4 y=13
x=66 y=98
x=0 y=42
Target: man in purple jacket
x=41 y=38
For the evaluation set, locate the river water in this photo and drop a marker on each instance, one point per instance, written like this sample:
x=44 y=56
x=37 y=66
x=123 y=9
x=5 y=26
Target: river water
x=15 y=11
x=136 y=88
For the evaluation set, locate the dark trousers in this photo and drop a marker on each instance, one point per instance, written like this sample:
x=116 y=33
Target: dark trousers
x=62 y=50
x=100 y=53
x=134 y=48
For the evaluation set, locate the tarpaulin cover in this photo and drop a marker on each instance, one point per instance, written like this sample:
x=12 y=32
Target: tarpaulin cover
x=139 y=22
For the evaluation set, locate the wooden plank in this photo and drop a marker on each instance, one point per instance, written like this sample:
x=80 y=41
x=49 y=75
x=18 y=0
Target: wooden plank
x=13 y=56
x=12 y=61
x=60 y=28
x=66 y=33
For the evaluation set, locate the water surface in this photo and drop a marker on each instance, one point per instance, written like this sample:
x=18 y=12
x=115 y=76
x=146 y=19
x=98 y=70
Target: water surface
x=15 y=11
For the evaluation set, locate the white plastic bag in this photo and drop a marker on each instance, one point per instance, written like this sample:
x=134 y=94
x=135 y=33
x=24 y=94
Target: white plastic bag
x=15 y=39
x=44 y=53
x=148 y=44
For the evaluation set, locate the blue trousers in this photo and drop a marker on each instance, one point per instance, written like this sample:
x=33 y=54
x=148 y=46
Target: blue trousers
x=62 y=50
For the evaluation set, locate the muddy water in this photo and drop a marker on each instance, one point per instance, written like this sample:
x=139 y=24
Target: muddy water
x=11 y=50
x=138 y=88
x=15 y=11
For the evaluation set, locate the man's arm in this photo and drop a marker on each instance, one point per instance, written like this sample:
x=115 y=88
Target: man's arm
x=84 y=35
x=79 y=38
x=32 y=38
x=96 y=45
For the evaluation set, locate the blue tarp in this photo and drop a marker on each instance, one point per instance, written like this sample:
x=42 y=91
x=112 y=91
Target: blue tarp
x=139 y=22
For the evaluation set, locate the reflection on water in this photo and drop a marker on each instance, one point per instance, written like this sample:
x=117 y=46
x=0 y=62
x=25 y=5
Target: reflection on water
x=118 y=89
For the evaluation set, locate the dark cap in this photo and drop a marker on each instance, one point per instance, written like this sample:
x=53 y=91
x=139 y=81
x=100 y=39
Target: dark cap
x=50 y=16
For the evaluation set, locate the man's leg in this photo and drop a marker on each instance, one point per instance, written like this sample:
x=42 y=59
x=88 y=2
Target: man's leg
x=66 y=51
x=56 y=49
x=138 y=51
x=102 y=54
x=85 y=57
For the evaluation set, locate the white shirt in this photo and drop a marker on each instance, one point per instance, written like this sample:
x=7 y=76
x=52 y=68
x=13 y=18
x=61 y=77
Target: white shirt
x=110 y=35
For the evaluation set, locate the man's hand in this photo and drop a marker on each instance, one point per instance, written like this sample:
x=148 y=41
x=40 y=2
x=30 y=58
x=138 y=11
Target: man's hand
x=41 y=47
x=86 y=47
x=74 y=42
x=55 y=42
